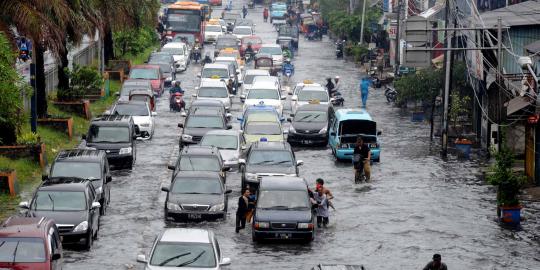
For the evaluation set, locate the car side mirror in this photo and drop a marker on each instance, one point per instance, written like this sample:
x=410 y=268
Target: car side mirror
x=243 y=147
x=199 y=75
x=96 y=205
x=283 y=97
x=333 y=134
x=194 y=95
x=108 y=179
x=117 y=94
x=379 y=133
x=228 y=191
x=180 y=125
x=294 y=98
x=154 y=113
x=229 y=126
x=183 y=114
x=44 y=177
x=286 y=131
x=225 y=169
x=24 y=205
x=107 y=112
x=165 y=188
x=141 y=258
x=171 y=167
x=83 y=136
x=242 y=161
x=56 y=256
x=225 y=261
x=299 y=162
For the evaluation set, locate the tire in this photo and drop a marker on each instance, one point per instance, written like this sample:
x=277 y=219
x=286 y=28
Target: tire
x=89 y=241
x=254 y=238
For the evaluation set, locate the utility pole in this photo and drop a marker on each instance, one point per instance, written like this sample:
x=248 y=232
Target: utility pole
x=362 y=24
x=447 y=84
x=398 y=37
x=499 y=82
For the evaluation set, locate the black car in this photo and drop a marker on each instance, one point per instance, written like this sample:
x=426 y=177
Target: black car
x=198 y=122
x=116 y=135
x=200 y=158
x=195 y=196
x=72 y=203
x=268 y=159
x=165 y=61
x=87 y=164
x=283 y=210
x=309 y=125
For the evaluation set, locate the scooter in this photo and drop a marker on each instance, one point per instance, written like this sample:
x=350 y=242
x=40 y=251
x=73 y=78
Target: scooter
x=390 y=93
x=177 y=102
x=337 y=99
x=251 y=4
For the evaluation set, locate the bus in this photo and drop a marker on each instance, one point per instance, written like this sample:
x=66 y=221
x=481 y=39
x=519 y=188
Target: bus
x=185 y=18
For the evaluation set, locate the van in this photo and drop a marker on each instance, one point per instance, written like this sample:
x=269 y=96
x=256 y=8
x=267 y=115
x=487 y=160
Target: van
x=345 y=126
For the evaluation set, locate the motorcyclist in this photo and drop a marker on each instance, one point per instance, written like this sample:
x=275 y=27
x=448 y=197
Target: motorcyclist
x=287 y=53
x=330 y=86
x=230 y=86
x=175 y=89
x=336 y=84
x=249 y=50
x=287 y=66
x=207 y=59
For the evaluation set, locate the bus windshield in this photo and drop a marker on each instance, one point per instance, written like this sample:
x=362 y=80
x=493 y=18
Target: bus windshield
x=184 y=22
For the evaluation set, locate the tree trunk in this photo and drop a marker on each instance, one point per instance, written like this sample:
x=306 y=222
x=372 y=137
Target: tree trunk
x=63 y=78
x=108 y=44
x=41 y=91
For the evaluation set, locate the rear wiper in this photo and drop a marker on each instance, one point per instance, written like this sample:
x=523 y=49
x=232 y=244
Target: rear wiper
x=315 y=117
x=303 y=118
x=284 y=161
x=192 y=260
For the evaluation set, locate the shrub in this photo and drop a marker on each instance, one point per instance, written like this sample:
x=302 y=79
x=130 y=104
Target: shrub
x=83 y=80
x=28 y=138
x=133 y=41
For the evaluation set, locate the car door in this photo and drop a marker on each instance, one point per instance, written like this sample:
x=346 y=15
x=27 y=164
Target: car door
x=106 y=188
x=55 y=247
x=93 y=213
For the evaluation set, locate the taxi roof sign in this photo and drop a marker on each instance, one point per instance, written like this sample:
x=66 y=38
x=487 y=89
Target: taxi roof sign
x=308 y=81
x=314 y=101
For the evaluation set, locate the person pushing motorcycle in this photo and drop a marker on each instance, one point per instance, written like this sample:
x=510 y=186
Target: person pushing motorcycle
x=361 y=159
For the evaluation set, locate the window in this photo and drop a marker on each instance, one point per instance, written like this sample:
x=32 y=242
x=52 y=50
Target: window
x=305 y=95
x=199 y=163
x=132 y=109
x=271 y=50
x=197 y=186
x=86 y=170
x=22 y=250
x=310 y=116
x=213 y=92
x=220 y=141
x=178 y=254
x=197 y=121
x=215 y=72
x=263 y=94
x=144 y=73
x=108 y=134
x=270 y=157
x=174 y=50
x=285 y=199
x=263 y=128
x=59 y=201
x=213 y=28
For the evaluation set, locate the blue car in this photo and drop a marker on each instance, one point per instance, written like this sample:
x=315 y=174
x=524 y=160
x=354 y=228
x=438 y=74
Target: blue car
x=260 y=108
x=345 y=126
x=278 y=11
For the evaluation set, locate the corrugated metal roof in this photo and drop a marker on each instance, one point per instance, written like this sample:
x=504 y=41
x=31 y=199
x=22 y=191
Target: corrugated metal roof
x=525 y=13
x=533 y=47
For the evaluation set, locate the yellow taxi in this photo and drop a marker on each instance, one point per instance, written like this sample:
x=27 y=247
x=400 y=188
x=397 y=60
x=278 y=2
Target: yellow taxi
x=230 y=52
x=263 y=126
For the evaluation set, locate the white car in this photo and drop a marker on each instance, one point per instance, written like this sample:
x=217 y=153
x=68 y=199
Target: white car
x=231 y=144
x=249 y=76
x=242 y=31
x=227 y=60
x=214 y=89
x=180 y=53
x=275 y=51
x=309 y=94
x=216 y=71
x=141 y=114
x=181 y=248
x=212 y=32
x=266 y=93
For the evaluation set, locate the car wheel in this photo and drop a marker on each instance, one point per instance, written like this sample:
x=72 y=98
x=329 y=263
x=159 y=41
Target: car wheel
x=254 y=237
x=89 y=241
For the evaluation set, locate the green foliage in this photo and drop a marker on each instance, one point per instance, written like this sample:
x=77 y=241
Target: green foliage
x=459 y=106
x=348 y=25
x=508 y=183
x=28 y=138
x=83 y=80
x=424 y=85
x=133 y=41
x=357 y=51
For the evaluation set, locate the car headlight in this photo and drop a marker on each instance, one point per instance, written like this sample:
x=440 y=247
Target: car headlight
x=251 y=176
x=291 y=129
x=99 y=190
x=173 y=206
x=305 y=225
x=125 y=151
x=186 y=137
x=262 y=225
x=83 y=226
x=323 y=130
x=169 y=79
x=217 y=207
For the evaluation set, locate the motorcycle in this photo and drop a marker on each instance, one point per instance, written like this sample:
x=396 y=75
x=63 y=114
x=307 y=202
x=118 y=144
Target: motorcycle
x=339 y=49
x=288 y=72
x=177 y=102
x=23 y=55
x=196 y=54
x=390 y=93
x=337 y=99
x=251 y=4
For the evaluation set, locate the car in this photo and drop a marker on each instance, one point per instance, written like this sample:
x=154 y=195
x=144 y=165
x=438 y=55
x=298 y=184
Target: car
x=278 y=12
x=116 y=135
x=230 y=52
x=267 y=79
x=268 y=159
x=263 y=127
x=212 y=32
x=283 y=210
x=242 y=31
x=345 y=126
x=200 y=158
x=180 y=53
x=258 y=109
x=166 y=62
x=214 y=89
x=231 y=144
x=72 y=203
x=198 y=122
x=275 y=51
x=226 y=41
x=216 y=71
x=309 y=94
x=309 y=125
x=30 y=243
x=134 y=84
x=201 y=249
x=140 y=112
x=255 y=41
x=234 y=69
x=196 y=195
x=87 y=164
x=249 y=76
x=266 y=93
x=209 y=105
x=151 y=73
x=300 y=86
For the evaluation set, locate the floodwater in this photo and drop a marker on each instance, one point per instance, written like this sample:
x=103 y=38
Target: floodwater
x=417 y=204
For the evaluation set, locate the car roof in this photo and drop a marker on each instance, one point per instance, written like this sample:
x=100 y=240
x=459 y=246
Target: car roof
x=175 y=44
x=283 y=183
x=136 y=82
x=271 y=145
x=80 y=155
x=262 y=117
x=272 y=79
x=352 y=114
x=185 y=235
x=311 y=87
x=207 y=102
x=225 y=58
x=223 y=66
x=264 y=85
x=257 y=72
x=313 y=107
x=112 y=119
x=243 y=26
x=131 y=102
x=199 y=150
x=209 y=82
x=272 y=45
x=223 y=132
x=197 y=174
x=16 y=226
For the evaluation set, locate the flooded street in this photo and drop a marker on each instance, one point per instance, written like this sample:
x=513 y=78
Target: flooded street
x=416 y=205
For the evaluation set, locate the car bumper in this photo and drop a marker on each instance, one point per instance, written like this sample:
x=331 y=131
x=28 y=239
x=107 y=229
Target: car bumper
x=302 y=138
x=284 y=235
x=210 y=38
x=179 y=215
x=233 y=164
x=115 y=159
x=74 y=237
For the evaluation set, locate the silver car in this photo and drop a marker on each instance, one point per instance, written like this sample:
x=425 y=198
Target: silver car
x=231 y=144
x=180 y=248
x=214 y=89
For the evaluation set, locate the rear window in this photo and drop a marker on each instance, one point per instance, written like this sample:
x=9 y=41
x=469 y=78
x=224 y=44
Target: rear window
x=22 y=250
x=87 y=170
x=108 y=134
x=213 y=28
x=144 y=73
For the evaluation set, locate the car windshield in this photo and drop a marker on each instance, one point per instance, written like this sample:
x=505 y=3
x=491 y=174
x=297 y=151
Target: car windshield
x=283 y=199
x=199 y=163
x=213 y=92
x=177 y=254
x=108 y=134
x=220 y=141
x=131 y=109
x=250 y=77
x=263 y=128
x=242 y=31
x=173 y=50
x=160 y=58
x=198 y=121
x=215 y=72
x=251 y=40
x=186 y=38
x=234 y=54
x=270 y=50
x=310 y=116
x=263 y=94
x=271 y=157
x=144 y=73
x=197 y=186
x=126 y=88
x=86 y=170
x=213 y=28
x=59 y=201
x=21 y=250
x=305 y=95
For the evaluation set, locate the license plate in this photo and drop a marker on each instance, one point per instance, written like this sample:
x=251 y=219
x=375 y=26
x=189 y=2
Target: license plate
x=307 y=141
x=283 y=235
x=194 y=216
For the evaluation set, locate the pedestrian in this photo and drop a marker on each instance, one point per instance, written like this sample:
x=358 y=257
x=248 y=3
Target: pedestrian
x=322 y=207
x=364 y=159
x=436 y=264
x=330 y=86
x=320 y=184
x=364 y=91
x=265 y=14
x=244 y=11
x=243 y=208
x=380 y=63
x=230 y=87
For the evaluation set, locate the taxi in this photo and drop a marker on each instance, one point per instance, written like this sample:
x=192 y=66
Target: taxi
x=230 y=52
x=263 y=127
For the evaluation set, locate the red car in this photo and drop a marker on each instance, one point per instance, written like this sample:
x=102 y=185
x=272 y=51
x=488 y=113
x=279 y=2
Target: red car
x=256 y=43
x=30 y=244
x=216 y=2
x=152 y=73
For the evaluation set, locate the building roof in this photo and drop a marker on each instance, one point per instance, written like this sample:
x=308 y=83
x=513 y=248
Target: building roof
x=533 y=47
x=525 y=13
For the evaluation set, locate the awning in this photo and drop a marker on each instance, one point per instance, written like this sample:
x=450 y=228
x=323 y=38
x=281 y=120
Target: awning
x=524 y=13
x=533 y=48
x=517 y=104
